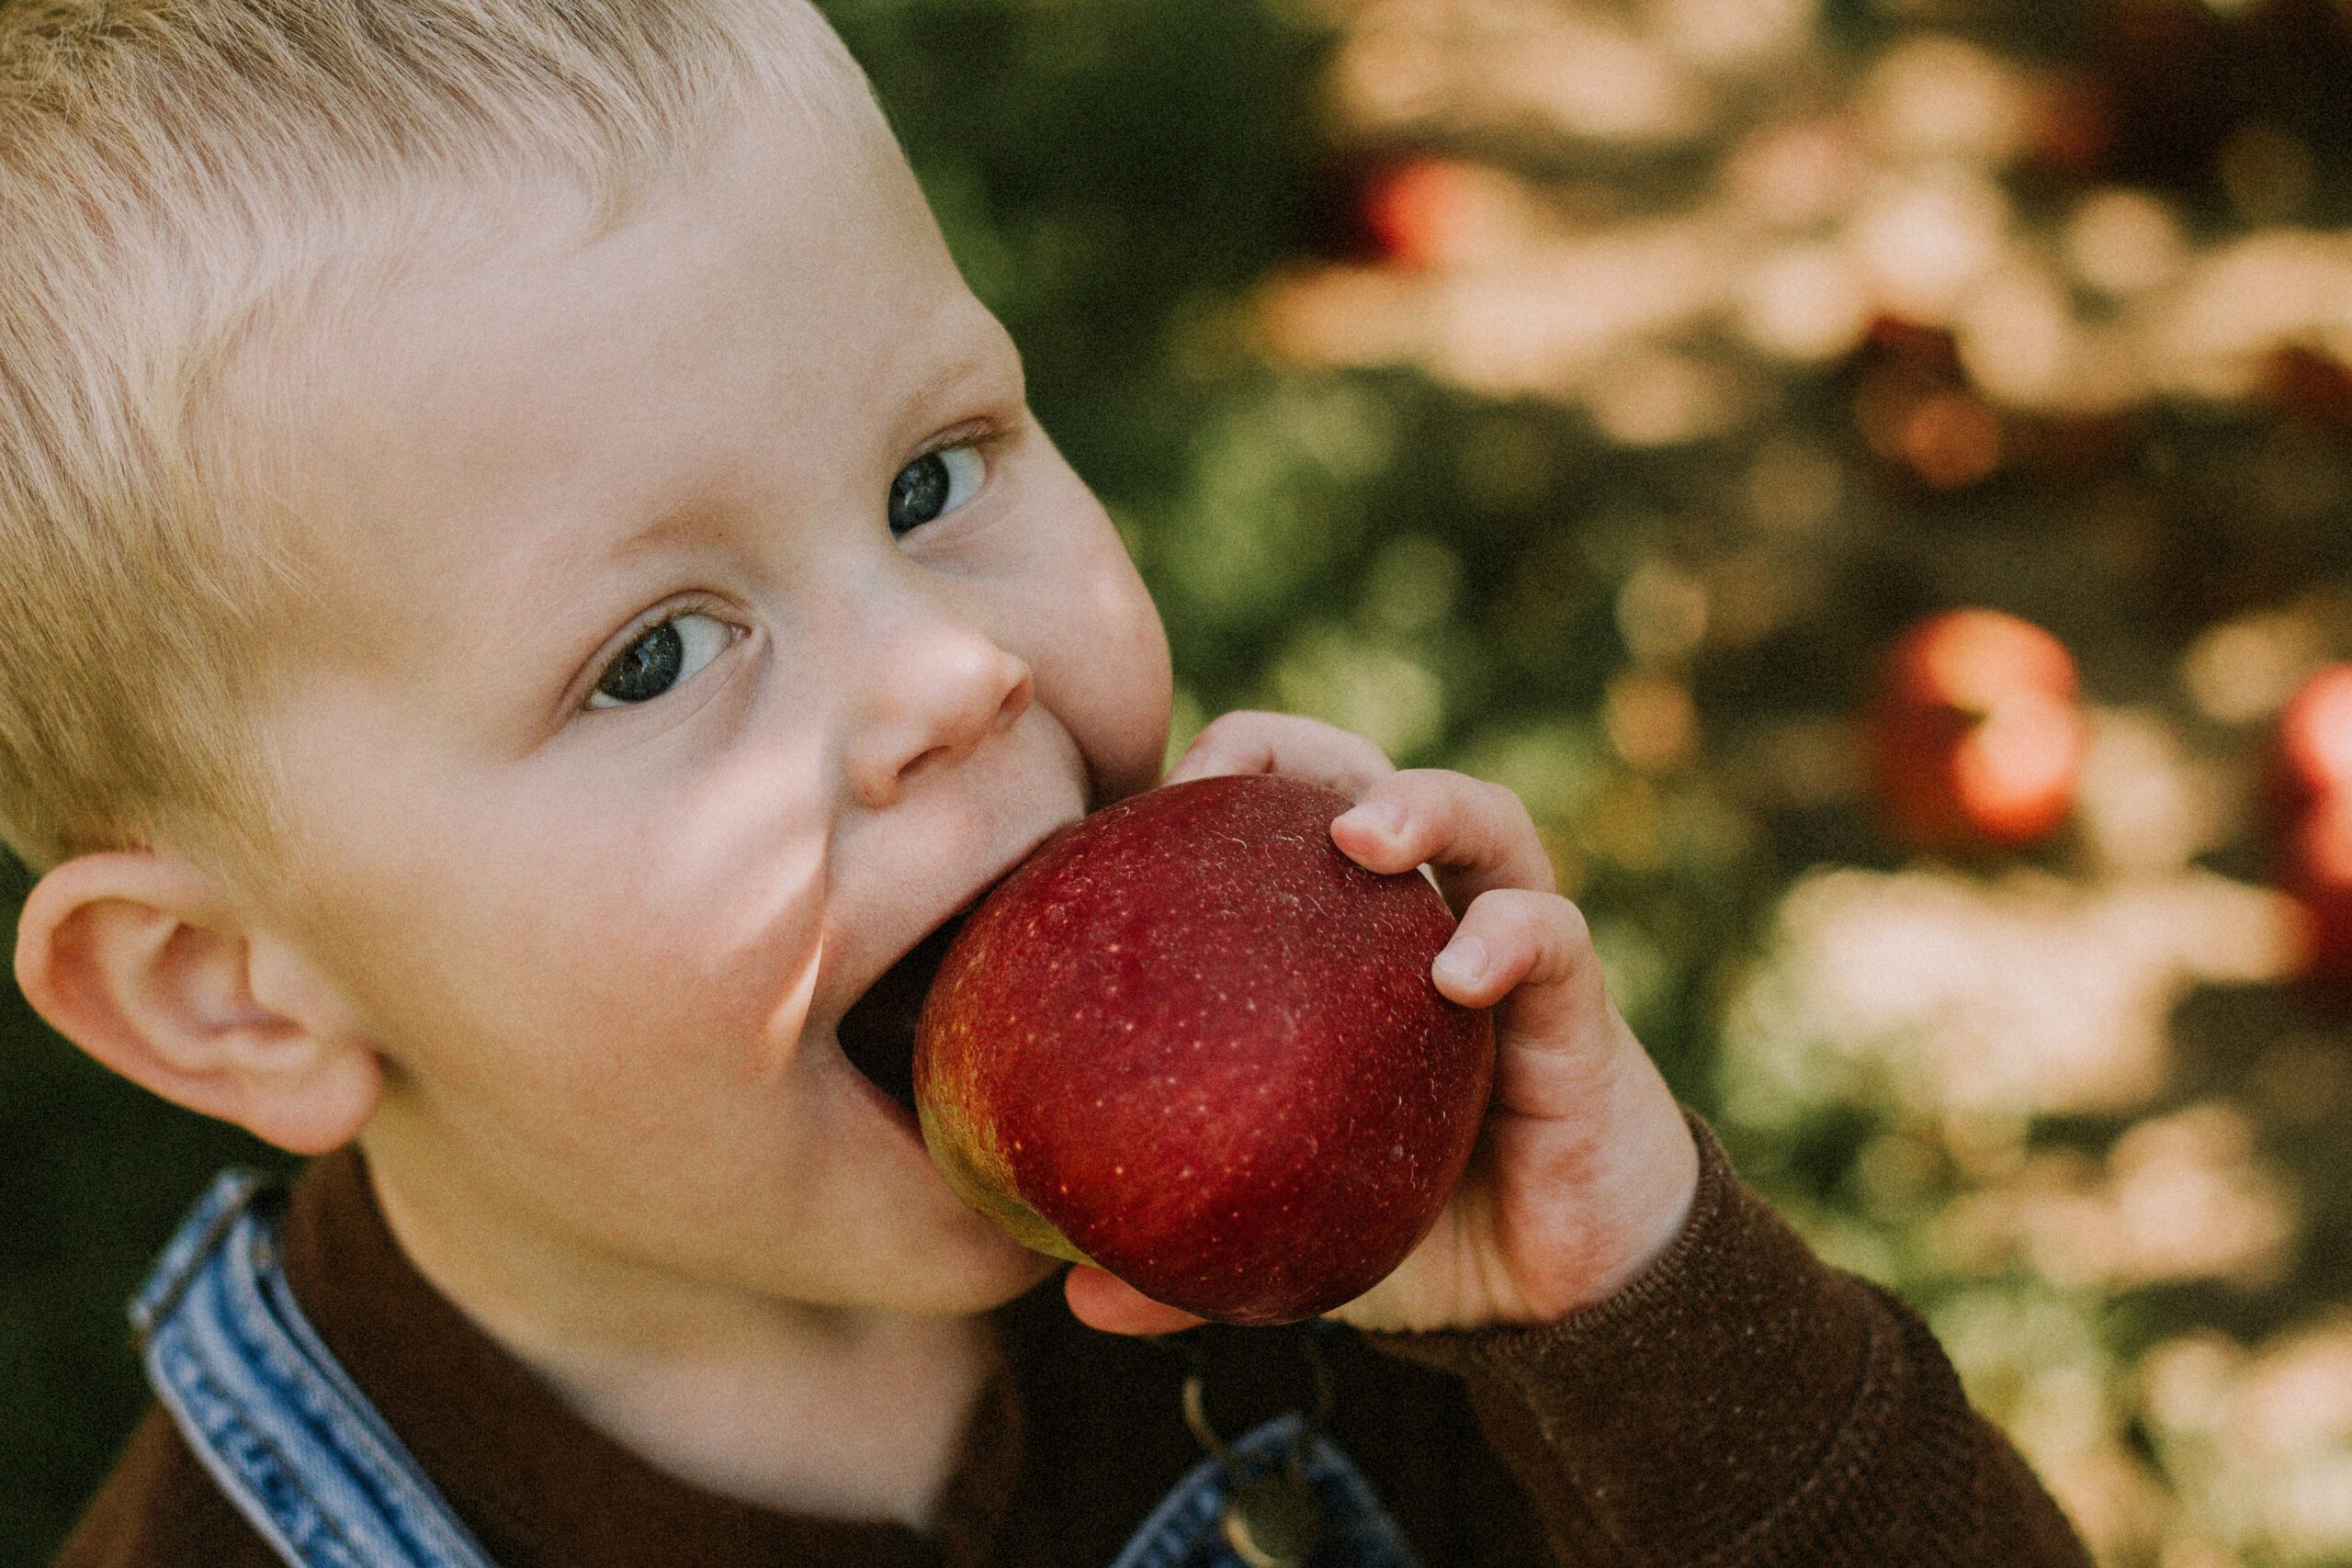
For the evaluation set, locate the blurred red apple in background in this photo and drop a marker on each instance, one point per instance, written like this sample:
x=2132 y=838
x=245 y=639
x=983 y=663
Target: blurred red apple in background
x=1976 y=737
x=2315 y=738
x=2309 y=808
x=2317 y=874
x=1435 y=212
x=1189 y=1042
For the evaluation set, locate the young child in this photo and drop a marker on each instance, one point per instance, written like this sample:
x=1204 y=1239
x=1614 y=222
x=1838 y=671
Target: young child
x=527 y=587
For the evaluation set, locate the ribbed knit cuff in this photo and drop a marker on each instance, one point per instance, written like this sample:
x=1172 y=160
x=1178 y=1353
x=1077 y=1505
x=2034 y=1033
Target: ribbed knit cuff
x=1739 y=1402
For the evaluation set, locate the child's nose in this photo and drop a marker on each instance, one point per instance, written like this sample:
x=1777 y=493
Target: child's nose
x=949 y=687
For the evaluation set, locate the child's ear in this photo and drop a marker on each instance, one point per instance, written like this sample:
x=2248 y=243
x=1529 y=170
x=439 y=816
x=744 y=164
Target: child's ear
x=137 y=958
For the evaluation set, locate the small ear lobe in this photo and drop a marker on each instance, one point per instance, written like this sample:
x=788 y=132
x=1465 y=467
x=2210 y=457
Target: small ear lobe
x=137 y=957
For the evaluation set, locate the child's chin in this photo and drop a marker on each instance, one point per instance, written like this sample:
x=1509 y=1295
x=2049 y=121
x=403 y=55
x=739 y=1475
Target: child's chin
x=1004 y=1271
x=1015 y=1271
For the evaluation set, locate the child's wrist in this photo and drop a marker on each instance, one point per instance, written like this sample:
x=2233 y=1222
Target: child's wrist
x=1642 y=1182
x=1658 y=1187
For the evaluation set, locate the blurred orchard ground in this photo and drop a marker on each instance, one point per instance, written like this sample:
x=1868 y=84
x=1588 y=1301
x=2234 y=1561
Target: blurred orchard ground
x=1589 y=394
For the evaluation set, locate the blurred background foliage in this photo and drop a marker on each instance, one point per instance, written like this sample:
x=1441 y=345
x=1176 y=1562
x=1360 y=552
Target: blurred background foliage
x=1591 y=394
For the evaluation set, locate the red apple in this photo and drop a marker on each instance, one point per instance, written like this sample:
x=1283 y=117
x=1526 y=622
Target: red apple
x=2314 y=747
x=1432 y=212
x=1189 y=1042
x=2310 y=806
x=1977 y=737
x=2317 y=874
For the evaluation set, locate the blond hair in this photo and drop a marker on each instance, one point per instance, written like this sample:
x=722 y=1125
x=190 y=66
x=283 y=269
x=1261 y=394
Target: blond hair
x=175 y=177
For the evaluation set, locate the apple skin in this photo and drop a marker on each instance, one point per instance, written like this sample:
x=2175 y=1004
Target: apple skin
x=1189 y=1042
x=2311 y=760
x=2309 y=804
x=1976 y=738
x=2318 y=876
x=1427 y=213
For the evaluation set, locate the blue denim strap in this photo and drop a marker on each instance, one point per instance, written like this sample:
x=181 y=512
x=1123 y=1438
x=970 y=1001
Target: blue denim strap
x=1183 y=1530
x=265 y=1407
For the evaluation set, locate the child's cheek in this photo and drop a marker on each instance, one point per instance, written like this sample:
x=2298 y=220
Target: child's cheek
x=1108 y=680
x=715 y=956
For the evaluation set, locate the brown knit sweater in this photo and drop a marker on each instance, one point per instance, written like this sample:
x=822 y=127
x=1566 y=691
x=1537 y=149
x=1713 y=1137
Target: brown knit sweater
x=1739 y=1404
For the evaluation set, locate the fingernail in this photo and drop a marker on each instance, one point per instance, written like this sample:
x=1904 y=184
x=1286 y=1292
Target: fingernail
x=1462 y=963
x=1382 y=817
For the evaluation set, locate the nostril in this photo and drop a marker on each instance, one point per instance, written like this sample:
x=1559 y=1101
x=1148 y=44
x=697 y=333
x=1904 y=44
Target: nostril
x=922 y=759
x=1016 y=701
x=962 y=695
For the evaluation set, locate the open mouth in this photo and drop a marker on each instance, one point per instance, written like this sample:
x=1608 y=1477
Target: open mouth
x=878 y=1033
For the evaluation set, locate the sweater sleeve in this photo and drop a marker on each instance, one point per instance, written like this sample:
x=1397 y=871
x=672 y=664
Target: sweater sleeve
x=1742 y=1405
x=159 y=1509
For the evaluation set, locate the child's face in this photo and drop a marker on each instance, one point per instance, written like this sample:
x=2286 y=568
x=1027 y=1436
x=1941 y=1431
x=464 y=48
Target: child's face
x=707 y=620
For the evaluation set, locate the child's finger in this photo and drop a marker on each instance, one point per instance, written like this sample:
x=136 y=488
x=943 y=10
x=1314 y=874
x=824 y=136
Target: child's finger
x=1561 y=1044
x=1533 y=953
x=1477 y=835
x=1103 y=1300
x=1248 y=742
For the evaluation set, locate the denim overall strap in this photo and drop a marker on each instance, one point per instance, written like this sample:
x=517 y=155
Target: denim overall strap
x=1183 y=1531
x=265 y=1407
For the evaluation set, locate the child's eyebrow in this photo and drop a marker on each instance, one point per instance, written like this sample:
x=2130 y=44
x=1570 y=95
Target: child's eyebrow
x=978 y=357
x=982 y=354
x=980 y=364
x=672 y=524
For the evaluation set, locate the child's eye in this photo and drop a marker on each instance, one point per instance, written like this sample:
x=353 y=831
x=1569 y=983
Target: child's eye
x=934 y=485
x=660 y=659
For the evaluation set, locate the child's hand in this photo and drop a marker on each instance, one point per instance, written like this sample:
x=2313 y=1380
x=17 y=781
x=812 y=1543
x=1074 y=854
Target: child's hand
x=1585 y=1168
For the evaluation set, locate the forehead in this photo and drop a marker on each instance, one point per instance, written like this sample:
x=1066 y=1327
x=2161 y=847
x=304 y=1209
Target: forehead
x=512 y=378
